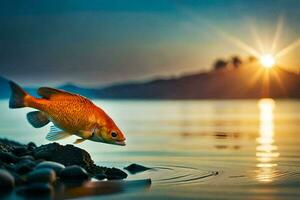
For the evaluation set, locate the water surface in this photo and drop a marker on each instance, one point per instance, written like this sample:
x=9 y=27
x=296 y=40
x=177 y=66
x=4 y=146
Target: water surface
x=241 y=149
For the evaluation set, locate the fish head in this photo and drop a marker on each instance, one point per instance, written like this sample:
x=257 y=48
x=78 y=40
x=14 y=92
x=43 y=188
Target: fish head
x=111 y=134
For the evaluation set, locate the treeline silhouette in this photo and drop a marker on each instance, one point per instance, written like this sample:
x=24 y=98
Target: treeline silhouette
x=233 y=62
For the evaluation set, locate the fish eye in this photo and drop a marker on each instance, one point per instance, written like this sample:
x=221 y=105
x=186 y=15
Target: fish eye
x=114 y=134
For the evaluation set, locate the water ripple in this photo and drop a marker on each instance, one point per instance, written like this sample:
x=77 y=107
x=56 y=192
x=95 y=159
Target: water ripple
x=173 y=174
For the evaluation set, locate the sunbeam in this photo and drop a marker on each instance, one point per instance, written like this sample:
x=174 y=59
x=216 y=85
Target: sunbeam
x=288 y=48
x=227 y=36
x=256 y=38
x=277 y=34
x=236 y=41
x=279 y=81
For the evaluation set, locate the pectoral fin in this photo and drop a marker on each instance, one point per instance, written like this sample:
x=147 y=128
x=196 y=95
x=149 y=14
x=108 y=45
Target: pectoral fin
x=79 y=141
x=37 y=119
x=57 y=134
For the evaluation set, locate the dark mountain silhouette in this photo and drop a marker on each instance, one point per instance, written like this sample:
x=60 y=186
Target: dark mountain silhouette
x=236 y=83
x=88 y=92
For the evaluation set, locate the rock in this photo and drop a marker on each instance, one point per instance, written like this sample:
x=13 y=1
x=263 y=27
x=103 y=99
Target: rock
x=8 y=145
x=27 y=157
x=67 y=155
x=114 y=174
x=31 y=146
x=100 y=176
x=21 y=151
x=74 y=173
x=26 y=161
x=39 y=161
x=35 y=189
x=7 y=181
x=135 y=168
x=8 y=157
x=24 y=166
x=41 y=175
x=57 y=167
x=19 y=180
x=10 y=167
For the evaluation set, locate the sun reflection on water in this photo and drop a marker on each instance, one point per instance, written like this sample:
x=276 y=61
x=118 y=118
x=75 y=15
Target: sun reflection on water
x=266 y=151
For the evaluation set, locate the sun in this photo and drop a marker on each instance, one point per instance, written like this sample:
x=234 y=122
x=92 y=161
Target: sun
x=267 y=60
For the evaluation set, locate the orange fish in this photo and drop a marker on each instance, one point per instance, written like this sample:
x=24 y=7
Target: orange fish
x=70 y=113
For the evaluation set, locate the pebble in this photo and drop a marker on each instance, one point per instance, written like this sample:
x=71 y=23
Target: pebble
x=74 y=173
x=115 y=174
x=135 y=168
x=23 y=168
x=26 y=161
x=35 y=189
x=41 y=175
x=57 y=167
x=7 y=181
x=8 y=157
x=27 y=157
x=19 y=180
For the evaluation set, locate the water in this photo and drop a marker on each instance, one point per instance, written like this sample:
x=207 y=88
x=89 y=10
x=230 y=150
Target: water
x=242 y=149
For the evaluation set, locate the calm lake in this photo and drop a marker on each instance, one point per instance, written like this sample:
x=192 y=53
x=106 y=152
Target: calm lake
x=241 y=149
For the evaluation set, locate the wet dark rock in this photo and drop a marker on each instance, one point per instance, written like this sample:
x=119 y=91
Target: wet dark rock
x=68 y=155
x=7 y=181
x=26 y=161
x=57 y=167
x=10 y=167
x=21 y=151
x=19 y=180
x=74 y=173
x=39 y=161
x=41 y=175
x=8 y=157
x=136 y=168
x=100 y=176
x=27 y=157
x=8 y=145
x=35 y=189
x=24 y=166
x=115 y=174
x=31 y=146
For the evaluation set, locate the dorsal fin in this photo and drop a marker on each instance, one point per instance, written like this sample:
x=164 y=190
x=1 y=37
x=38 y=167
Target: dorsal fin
x=47 y=92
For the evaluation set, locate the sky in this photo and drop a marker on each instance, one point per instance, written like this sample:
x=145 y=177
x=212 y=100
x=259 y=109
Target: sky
x=98 y=42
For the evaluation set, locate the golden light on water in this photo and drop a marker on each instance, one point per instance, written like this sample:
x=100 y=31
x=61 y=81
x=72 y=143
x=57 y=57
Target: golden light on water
x=266 y=151
x=267 y=60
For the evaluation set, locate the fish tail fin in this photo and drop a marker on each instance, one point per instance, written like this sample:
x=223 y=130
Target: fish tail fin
x=18 y=96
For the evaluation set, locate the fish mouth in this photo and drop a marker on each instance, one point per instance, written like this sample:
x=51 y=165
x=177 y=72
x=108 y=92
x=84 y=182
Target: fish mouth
x=121 y=143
